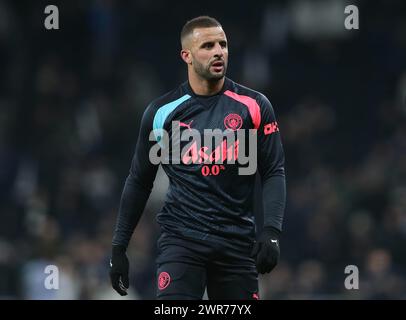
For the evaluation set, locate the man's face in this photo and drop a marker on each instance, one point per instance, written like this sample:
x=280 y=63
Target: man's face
x=208 y=52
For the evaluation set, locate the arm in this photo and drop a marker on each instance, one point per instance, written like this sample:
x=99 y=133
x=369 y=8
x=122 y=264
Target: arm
x=271 y=161
x=134 y=197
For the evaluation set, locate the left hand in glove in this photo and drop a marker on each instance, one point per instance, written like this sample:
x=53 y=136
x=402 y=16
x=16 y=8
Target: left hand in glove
x=266 y=250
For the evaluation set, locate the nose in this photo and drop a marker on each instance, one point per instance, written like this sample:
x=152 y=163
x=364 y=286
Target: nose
x=219 y=51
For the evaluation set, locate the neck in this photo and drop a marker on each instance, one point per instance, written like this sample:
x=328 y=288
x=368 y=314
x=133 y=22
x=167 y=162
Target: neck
x=203 y=87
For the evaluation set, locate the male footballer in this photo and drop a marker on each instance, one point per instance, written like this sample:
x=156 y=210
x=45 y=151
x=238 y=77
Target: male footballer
x=208 y=233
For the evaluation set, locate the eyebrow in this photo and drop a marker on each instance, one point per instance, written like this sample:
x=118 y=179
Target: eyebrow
x=211 y=42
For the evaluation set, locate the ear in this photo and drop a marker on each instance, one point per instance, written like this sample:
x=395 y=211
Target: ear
x=186 y=56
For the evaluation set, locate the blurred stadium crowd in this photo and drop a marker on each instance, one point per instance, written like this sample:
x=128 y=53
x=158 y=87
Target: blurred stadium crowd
x=71 y=101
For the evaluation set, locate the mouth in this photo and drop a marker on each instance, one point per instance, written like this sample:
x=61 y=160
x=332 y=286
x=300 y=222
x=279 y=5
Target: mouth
x=218 y=65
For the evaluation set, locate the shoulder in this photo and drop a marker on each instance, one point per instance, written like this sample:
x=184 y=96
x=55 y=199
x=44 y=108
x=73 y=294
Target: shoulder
x=168 y=100
x=242 y=90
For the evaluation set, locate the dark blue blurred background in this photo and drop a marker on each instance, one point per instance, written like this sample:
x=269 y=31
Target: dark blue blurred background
x=70 y=105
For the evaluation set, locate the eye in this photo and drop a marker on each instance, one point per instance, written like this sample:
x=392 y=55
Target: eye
x=208 y=45
x=223 y=44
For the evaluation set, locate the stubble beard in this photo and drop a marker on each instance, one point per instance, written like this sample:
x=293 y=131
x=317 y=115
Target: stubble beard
x=205 y=73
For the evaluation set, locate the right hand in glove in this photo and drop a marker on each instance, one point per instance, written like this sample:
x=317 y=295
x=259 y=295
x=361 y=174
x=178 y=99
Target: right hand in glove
x=119 y=266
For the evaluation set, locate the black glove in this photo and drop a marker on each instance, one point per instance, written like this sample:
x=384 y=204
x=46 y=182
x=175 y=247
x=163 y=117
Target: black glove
x=266 y=250
x=119 y=270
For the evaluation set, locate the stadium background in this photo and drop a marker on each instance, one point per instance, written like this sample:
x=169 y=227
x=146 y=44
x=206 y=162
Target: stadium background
x=71 y=102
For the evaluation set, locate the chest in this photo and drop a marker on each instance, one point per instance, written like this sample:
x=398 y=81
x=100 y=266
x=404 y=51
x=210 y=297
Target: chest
x=209 y=114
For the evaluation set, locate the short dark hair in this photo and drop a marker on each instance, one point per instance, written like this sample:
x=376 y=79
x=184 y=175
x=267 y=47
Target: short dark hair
x=198 y=22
